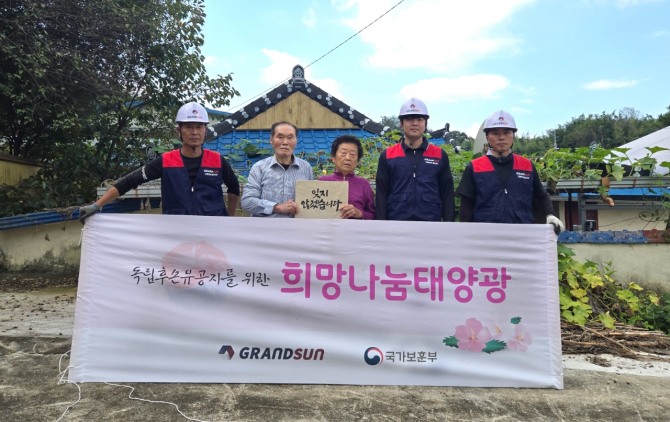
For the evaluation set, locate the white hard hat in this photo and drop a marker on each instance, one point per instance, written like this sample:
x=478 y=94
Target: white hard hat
x=192 y=112
x=413 y=107
x=501 y=119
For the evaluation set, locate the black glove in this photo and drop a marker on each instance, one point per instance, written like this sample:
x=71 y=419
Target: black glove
x=87 y=211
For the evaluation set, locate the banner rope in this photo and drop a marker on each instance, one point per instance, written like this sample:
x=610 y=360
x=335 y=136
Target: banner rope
x=62 y=380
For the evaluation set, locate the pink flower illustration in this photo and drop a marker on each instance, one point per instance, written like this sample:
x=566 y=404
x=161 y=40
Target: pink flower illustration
x=521 y=339
x=496 y=330
x=472 y=336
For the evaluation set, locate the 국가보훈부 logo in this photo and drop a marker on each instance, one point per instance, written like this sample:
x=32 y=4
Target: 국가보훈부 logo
x=373 y=356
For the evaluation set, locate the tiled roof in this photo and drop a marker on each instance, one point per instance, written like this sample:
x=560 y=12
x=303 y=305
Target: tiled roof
x=227 y=140
x=296 y=84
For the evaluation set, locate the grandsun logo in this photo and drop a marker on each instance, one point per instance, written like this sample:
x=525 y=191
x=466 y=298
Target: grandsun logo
x=227 y=350
x=281 y=353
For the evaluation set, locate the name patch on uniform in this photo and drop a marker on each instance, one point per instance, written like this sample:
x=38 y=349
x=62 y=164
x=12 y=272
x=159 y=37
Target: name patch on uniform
x=211 y=172
x=523 y=175
x=432 y=161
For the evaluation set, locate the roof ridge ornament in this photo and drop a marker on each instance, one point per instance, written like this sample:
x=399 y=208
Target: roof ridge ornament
x=298 y=80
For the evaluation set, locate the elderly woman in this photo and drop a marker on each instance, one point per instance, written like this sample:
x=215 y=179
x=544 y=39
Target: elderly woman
x=345 y=153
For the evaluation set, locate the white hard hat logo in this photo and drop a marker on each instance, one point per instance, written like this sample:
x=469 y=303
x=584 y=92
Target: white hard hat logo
x=413 y=106
x=500 y=119
x=192 y=112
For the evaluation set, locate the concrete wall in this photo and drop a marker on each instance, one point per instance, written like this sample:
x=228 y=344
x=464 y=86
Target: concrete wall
x=645 y=264
x=45 y=248
x=42 y=248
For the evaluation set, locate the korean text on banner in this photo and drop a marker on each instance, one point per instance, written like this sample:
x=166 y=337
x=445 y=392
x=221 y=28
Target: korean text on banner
x=165 y=298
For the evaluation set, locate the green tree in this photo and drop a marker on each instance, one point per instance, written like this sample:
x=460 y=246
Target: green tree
x=606 y=130
x=391 y=122
x=97 y=80
x=533 y=145
x=459 y=138
x=664 y=119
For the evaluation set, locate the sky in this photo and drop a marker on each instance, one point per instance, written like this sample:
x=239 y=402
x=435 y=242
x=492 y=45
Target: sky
x=544 y=61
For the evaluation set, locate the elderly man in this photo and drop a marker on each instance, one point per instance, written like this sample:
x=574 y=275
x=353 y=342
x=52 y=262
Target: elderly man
x=270 y=189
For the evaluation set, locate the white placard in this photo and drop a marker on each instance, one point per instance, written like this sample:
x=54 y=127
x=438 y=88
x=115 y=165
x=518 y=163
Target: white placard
x=320 y=199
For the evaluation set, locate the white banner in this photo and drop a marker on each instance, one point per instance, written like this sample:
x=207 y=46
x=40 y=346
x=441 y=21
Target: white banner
x=165 y=298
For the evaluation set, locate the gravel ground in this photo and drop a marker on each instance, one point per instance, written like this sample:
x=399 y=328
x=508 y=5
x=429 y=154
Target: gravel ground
x=44 y=312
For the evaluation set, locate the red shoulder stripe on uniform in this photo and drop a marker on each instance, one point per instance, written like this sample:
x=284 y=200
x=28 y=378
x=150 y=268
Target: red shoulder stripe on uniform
x=172 y=159
x=433 y=151
x=482 y=164
x=211 y=159
x=395 y=151
x=522 y=163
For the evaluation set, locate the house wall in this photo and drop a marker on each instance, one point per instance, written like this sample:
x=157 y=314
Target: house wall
x=13 y=169
x=627 y=219
x=644 y=264
x=620 y=218
x=303 y=112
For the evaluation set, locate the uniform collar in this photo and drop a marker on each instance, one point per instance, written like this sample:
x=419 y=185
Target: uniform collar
x=502 y=160
x=423 y=146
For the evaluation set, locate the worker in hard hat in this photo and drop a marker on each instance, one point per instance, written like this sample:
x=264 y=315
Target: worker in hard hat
x=503 y=187
x=414 y=181
x=191 y=176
